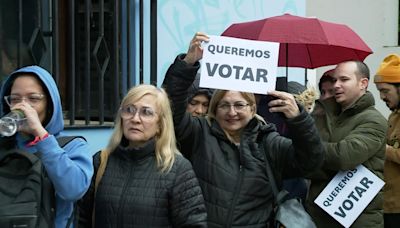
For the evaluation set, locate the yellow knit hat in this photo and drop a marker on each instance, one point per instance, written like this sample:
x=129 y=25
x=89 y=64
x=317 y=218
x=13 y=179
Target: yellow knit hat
x=389 y=70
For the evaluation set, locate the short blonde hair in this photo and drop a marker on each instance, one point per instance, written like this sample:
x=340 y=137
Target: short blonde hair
x=166 y=149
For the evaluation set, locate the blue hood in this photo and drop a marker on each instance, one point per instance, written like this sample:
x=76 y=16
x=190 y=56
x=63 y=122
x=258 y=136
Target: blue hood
x=56 y=123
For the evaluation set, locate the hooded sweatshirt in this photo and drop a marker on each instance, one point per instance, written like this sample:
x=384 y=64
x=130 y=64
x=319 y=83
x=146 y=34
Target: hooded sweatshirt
x=70 y=168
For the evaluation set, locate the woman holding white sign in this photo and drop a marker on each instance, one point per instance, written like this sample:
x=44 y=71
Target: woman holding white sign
x=224 y=146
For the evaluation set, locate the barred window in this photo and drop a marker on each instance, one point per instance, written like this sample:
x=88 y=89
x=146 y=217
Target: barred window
x=91 y=47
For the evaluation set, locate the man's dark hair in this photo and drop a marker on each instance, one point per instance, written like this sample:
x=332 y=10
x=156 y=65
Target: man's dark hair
x=325 y=78
x=362 y=69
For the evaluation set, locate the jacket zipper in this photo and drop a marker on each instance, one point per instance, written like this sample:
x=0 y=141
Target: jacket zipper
x=237 y=190
x=122 y=199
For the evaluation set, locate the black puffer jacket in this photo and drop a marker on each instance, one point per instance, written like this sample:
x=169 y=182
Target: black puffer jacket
x=233 y=178
x=133 y=193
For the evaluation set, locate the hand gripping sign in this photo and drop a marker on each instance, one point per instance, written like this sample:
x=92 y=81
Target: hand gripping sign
x=349 y=193
x=239 y=64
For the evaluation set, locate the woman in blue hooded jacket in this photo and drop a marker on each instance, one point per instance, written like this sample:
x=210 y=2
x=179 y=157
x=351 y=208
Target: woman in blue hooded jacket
x=33 y=91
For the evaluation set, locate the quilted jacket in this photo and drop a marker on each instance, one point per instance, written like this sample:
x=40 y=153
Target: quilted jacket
x=133 y=193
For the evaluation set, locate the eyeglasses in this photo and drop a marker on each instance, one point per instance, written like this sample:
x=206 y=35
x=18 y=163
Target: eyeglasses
x=145 y=113
x=32 y=99
x=238 y=107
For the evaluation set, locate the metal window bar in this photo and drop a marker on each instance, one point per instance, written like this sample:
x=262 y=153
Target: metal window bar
x=20 y=41
x=141 y=79
x=87 y=72
x=132 y=25
x=71 y=63
x=115 y=55
x=55 y=41
x=153 y=42
x=124 y=46
x=101 y=67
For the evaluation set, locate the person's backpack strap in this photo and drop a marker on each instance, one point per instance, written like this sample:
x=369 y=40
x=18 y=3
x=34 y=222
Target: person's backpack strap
x=100 y=171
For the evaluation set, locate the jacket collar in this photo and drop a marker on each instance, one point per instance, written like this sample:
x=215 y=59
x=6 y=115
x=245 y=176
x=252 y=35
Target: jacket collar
x=137 y=154
x=361 y=104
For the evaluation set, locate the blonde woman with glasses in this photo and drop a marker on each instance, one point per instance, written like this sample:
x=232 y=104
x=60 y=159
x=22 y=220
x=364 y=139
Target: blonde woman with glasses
x=146 y=182
x=224 y=147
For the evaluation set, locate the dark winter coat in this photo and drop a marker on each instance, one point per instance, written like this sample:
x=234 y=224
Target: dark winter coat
x=133 y=193
x=233 y=178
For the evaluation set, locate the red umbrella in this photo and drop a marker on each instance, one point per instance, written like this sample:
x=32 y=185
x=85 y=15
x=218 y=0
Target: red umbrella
x=309 y=42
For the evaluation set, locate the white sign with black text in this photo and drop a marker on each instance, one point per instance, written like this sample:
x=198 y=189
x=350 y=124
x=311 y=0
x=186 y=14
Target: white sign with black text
x=349 y=193
x=238 y=64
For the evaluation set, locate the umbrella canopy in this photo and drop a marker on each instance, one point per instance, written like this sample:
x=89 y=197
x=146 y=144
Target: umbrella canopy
x=305 y=42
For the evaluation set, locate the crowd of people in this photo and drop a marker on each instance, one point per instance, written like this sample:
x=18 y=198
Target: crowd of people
x=185 y=156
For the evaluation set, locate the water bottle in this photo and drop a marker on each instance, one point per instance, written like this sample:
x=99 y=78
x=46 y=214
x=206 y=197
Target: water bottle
x=10 y=123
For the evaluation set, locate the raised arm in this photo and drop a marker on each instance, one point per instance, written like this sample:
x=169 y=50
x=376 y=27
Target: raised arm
x=178 y=79
x=181 y=75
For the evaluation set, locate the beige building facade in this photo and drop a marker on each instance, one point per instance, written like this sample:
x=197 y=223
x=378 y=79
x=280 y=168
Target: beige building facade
x=377 y=23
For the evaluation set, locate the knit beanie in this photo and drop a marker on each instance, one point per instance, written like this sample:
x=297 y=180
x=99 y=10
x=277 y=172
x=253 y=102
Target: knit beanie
x=389 y=70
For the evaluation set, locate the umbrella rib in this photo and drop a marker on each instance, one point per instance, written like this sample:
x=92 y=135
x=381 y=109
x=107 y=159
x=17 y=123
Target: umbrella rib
x=287 y=61
x=323 y=32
